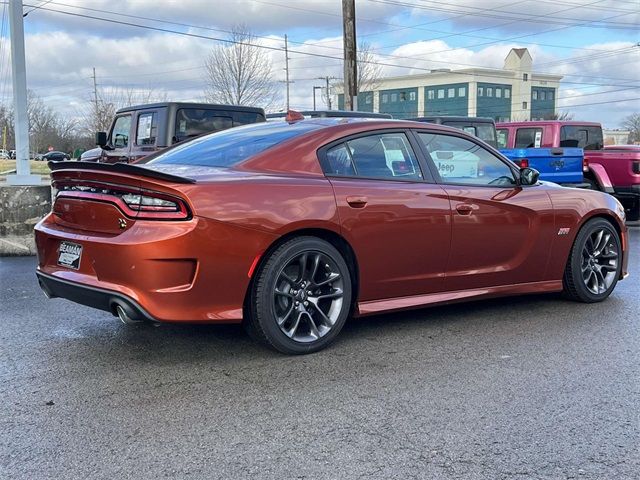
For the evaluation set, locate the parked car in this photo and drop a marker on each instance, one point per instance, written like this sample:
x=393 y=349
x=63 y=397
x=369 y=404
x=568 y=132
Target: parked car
x=92 y=155
x=12 y=154
x=611 y=170
x=56 y=156
x=293 y=226
x=329 y=114
x=481 y=127
x=141 y=130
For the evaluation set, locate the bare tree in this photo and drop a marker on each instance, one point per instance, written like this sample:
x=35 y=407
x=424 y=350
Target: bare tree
x=240 y=73
x=632 y=123
x=559 y=116
x=97 y=117
x=369 y=72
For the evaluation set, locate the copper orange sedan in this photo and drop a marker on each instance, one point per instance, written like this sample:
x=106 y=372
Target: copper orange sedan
x=291 y=227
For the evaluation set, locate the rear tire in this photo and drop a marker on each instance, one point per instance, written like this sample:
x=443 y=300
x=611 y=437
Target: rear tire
x=301 y=297
x=594 y=263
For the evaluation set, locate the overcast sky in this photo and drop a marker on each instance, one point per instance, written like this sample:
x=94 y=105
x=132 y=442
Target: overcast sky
x=594 y=44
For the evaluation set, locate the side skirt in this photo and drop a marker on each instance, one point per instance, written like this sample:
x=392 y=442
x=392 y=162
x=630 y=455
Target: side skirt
x=440 y=298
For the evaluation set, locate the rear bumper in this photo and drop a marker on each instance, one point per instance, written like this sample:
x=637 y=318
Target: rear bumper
x=630 y=191
x=99 y=298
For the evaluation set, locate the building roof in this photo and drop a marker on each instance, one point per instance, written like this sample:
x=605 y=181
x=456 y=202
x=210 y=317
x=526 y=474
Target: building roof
x=519 y=51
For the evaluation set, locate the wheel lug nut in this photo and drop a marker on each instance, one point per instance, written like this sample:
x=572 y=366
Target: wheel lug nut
x=306 y=304
x=297 y=303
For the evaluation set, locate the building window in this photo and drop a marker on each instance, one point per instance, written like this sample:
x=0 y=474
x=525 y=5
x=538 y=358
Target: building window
x=451 y=93
x=524 y=105
x=543 y=95
x=550 y=95
x=525 y=77
x=431 y=94
x=480 y=91
x=489 y=92
x=462 y=92
x=412 y=96
x=368 y=99
x=385 y=98
x=394 y=97
x=441 y=93
x=498 y=93
x=534 y=94
x=507 y=93
x=403 y=96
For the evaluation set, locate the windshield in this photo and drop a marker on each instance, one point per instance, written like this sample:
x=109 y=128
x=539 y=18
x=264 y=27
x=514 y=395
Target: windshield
x=230 y=147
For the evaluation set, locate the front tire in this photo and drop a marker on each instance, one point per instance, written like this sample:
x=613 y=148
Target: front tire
x=301 y=297
x=594 y=263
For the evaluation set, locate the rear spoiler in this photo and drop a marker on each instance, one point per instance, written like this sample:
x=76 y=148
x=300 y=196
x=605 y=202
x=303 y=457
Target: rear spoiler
x=119 y=168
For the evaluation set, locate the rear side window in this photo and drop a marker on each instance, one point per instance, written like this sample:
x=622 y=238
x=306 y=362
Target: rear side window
x=528 y=138
x=587 y=138
x=192 y=122
x=229 y=147
x=385 y=156
x=147 y=129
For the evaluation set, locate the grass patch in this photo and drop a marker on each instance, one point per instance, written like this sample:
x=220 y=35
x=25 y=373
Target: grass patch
x=37 y=168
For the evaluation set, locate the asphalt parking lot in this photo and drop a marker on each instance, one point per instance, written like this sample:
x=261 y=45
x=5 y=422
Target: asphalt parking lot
x=527 y=387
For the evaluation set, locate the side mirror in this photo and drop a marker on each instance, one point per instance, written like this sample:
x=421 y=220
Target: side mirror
x=101 y=139
x=529 y=176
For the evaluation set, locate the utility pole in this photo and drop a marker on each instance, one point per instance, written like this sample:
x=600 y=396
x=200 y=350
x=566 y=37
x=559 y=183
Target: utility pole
x=326 y=79
x=95 y=90
x=286 y=66
x=350 y=60
x=19 y=78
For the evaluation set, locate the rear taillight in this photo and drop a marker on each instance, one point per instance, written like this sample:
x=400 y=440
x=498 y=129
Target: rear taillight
x=585 y=165
x=145 y=204
x=636 y=168
x=522 y=162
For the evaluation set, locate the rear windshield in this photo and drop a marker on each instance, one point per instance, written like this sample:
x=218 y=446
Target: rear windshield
x=229 y=147
x=587 y=138
x=192 y=122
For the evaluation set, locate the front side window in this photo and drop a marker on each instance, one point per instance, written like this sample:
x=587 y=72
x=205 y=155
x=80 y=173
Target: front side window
x=120 y=131
x=385 y=156
x=528 y=138
x=462 y=162
x=147 y=129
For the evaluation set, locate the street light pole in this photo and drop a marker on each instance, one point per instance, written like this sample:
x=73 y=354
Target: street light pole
x=314 y=96
x=19 y=79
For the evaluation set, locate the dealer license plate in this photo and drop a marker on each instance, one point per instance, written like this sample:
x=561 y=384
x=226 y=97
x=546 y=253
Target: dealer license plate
x=69 y=255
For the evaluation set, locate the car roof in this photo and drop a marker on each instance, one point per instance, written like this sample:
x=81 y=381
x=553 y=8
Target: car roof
x=332 y=113
x=537 y=123
x=452 y=118
x=207 y=106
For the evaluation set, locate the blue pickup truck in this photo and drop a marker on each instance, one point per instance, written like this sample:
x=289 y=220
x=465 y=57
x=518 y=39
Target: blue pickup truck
x=564 y=166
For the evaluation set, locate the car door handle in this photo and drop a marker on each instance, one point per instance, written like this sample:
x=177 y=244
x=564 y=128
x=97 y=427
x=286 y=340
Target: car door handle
x=357 y=202
x=466 y=208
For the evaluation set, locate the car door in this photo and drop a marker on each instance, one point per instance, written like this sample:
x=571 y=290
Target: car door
x=502 y=232
x=397 y=222
x=119 y=140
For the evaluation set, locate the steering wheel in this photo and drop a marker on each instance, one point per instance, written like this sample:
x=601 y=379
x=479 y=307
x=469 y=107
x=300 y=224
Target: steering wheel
x=503 y=180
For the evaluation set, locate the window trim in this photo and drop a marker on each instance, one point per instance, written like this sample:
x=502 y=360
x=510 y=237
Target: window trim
x=427 y=177
x=436 y=175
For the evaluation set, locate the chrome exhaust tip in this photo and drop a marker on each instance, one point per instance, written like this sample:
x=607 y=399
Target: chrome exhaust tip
x=125 y=318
